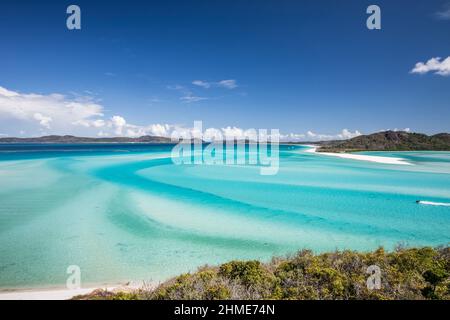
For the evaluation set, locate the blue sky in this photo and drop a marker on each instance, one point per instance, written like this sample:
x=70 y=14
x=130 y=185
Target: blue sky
x=298 y=66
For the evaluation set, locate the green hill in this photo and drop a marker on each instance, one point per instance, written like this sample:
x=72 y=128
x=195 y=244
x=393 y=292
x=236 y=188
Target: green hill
x=390 y=141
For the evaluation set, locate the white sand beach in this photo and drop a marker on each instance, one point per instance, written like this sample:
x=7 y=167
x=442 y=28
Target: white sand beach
x=362 y=157
x=65 y=294
x=50 y=294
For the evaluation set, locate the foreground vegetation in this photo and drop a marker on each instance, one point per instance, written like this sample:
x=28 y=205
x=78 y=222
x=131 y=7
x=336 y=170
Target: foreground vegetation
x=406 y=273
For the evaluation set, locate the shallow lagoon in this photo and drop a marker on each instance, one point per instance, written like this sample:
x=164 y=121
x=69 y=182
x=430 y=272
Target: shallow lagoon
x=126 y=212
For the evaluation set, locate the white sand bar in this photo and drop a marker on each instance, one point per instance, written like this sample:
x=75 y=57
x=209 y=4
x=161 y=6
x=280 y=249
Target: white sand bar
x=362 y=157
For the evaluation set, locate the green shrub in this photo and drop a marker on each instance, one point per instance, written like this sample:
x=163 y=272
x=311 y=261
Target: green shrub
x=406 y=273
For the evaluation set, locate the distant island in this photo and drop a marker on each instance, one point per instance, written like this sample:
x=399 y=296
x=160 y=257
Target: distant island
x=380 y=141
x=73 y=139
x=389 y=141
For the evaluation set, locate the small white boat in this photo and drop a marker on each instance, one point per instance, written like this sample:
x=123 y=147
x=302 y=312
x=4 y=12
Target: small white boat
x=430 y=203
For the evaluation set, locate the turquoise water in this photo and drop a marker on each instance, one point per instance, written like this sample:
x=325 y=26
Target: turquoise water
x=126 y=212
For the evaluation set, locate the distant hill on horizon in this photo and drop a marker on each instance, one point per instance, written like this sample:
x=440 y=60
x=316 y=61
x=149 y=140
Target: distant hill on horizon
x=389 y=141
x=74 y=139
x=380 y=141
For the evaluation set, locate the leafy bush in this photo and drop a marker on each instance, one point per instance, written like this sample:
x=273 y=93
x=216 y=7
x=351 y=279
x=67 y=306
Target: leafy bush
x=406 y=273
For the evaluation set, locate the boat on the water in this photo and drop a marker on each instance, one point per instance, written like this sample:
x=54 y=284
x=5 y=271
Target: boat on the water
x=431 y=203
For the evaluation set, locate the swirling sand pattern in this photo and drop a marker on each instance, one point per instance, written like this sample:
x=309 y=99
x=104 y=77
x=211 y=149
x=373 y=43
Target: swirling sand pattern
x=126 y=212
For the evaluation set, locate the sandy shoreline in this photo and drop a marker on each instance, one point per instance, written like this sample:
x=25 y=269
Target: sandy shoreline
x=64 y=293
x=47 y=294
x=361 y=157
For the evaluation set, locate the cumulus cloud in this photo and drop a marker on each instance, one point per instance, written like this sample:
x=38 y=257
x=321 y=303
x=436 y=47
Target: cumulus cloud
x=43 y=120
x=344 y=134
x=239 y=133
x=229 y=133
x=160 y=130
x=435 y=65
x=7 y=93
x=48 y=111
x=213 y=134
x=98 y=123
x=293 y=137
x=119 y=123
x=59 y=114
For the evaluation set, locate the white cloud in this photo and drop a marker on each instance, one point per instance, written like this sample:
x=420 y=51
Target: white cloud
x=404 y=130
x=188 y=98
x=48 y=111
x=201 y=83
x=98 y=123
x=230 y=132
x=233 y=132
x=7 y=93
x=293 y=137
x=346 y=134
x=312 y=136
x=119 y=123
x=159 y=129
x=43 y=120
x=57 y=114
x=433 y=65
x=212 y=134
x=396 y=130
x=444 y=14
x=122 y=128
x=228 y=84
